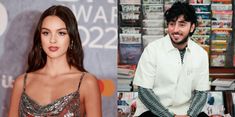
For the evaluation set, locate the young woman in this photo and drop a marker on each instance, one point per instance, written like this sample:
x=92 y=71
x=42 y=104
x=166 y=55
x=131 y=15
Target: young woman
x=56 y=83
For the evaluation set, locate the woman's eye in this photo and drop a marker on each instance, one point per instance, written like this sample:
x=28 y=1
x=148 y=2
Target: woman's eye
x=62 y=33
x=45 y=33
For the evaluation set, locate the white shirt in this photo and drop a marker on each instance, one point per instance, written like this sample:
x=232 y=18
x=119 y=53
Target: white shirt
x=161 y=70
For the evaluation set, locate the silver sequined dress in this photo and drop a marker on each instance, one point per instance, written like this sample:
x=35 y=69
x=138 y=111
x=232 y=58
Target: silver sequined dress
x=66 y=106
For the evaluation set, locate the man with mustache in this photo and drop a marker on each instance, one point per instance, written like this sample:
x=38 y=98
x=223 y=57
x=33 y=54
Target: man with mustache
x=173 y=72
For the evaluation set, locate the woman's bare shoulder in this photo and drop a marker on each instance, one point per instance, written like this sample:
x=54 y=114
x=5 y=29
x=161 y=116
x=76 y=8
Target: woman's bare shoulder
x=19 y=82
x=89 y=81
x=89 y=78
x=20 y=79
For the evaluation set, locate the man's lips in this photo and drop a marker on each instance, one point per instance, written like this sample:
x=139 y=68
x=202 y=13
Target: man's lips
x=176 y=35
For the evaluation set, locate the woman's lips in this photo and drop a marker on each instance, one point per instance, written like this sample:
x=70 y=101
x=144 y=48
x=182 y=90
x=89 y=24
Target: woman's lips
x=53 y=48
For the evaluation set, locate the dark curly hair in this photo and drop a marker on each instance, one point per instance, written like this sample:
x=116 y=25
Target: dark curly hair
x=181 y=8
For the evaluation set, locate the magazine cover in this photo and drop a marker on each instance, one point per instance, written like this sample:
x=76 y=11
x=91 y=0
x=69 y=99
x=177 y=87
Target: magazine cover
x=204 y=23
x=218 y=45
x=222 y=15
x=130 y=30
x=199 y=1
x=130 y=2
x=221 y=24
x=129 y=8
x=126 y=71
x=221 y=1
x=152 y=1
x=201 y=8
x=214 y=104
x=202 y=31
x=221 y=7
x=130 y=16
x=203 y=15
x=150 y=38
x=217 y=59
x=130 y=53
x=126 y=102
x=153 y=23
x=147 y=8
x=201 y=39
x=130 y=38
x=153 y=31
x=130 y=23
x=154 y=15
x=221 y=34
x=129 y=19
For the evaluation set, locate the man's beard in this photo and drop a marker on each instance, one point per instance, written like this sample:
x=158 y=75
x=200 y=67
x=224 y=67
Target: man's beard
x=183 y=41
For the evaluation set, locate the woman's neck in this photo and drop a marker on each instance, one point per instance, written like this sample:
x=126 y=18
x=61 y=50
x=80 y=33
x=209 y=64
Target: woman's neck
x=58 y=66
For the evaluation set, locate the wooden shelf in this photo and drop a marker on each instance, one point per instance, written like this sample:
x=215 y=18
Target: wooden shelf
x=217 y=72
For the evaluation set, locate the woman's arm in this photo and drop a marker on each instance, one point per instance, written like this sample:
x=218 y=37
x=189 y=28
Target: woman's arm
x=15 y=97
x=92 y=96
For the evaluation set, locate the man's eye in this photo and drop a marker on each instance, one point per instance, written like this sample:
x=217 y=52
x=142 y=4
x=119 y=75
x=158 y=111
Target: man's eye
x=183 y=24
x=171 y=24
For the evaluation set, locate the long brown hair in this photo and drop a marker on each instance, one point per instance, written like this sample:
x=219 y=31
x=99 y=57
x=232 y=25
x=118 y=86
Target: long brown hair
x=37 y=57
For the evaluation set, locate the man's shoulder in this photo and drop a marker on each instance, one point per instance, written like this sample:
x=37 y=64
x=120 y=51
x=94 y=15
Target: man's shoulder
x=196 y=46
x=156 y=42
x=197 y=49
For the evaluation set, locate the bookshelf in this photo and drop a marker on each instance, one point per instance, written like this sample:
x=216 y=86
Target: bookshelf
x=221 y=72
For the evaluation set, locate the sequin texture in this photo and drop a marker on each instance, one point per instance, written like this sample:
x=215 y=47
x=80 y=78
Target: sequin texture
x=66 y=106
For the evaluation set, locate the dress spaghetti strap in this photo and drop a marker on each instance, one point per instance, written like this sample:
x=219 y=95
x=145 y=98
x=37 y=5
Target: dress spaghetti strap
x=24 y=85
x=83 y=74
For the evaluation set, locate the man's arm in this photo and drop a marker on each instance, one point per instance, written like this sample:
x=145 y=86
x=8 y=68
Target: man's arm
x=152 y=102
x=201 y=86
x=198 y=101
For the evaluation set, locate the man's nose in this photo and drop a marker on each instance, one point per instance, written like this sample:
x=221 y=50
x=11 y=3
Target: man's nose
x=176 y=28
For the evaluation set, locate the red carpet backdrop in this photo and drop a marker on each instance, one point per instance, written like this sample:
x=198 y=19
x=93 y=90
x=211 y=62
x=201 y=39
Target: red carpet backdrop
x=97 y=21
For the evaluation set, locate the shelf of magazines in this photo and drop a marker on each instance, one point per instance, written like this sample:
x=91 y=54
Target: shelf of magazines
x=129 y=31
x=215 y=29
x=129 y=41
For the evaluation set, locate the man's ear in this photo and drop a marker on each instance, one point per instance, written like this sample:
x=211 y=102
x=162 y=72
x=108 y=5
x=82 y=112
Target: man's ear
x=193 y=26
